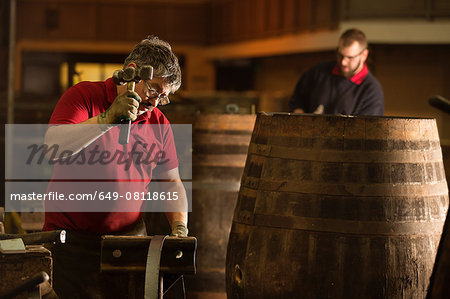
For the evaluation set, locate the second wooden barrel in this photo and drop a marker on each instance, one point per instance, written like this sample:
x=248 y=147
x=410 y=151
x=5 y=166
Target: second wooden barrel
x=440 y=280
x=337 y=207
x=220 y=146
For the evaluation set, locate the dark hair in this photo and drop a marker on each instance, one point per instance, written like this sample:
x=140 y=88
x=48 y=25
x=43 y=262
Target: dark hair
x=351 y=35
x=157 y=53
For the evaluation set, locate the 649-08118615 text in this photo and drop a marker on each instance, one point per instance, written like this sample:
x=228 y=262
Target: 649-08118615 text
x=139 y=195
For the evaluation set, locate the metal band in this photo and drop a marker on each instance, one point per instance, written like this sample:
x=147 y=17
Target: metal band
x=222 y=186
x=152 y=282
x=348 y=156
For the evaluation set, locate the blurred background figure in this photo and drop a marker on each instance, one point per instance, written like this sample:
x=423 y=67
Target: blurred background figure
x=344 y=86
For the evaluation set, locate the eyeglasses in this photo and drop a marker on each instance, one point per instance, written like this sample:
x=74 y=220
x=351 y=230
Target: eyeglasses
x=153 y=93
x=341 y=57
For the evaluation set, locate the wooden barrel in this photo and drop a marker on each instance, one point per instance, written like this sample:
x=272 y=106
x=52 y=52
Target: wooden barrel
x=446 y=159
x=220 y=143
x=337 y=207
x=440 y=280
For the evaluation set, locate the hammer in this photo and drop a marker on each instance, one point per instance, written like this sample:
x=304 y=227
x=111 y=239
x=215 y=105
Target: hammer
x=130 y=76
x=440 y=102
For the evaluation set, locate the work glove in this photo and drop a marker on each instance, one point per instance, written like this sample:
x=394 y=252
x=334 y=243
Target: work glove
x=124 y=107
x=179 y=229
x=319 y=110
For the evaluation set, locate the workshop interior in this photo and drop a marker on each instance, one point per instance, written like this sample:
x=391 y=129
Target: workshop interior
x=282 y=204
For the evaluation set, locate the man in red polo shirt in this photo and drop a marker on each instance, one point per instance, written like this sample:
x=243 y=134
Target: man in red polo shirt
x=343 y=87
x=90 y=160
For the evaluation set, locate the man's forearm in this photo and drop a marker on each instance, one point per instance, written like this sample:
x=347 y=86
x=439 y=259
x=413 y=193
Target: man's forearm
x=179 y=211
x=172 y=217
x=74 y=137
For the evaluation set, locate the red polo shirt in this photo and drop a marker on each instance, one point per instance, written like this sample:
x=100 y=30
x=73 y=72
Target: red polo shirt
x=79 y=103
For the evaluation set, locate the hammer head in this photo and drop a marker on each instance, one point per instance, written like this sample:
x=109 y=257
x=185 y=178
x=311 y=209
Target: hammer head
x=146 y=72
x=130 y=74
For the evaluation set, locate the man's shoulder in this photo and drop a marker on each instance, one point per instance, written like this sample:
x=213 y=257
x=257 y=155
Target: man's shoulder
x=325 y=65
x=86 y=90
x=91 y=86
x=321 y=69
x=157 y=117
x=371 y=81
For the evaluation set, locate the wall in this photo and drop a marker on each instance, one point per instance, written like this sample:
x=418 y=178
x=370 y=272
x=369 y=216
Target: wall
x=238 y=20
x=385 y=9
x=410 y=75
x=4 y=36
x=111 y=20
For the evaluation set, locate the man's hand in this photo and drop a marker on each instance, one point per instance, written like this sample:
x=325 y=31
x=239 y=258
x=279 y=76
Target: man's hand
x=179 y=229
x=319 y=110
x=124 y=107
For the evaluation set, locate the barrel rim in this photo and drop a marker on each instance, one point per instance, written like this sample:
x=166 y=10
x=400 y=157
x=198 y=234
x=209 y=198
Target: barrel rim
x=343 y=116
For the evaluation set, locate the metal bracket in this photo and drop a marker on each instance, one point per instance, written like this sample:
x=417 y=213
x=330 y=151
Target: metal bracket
x=164 y=260
x=154 y=287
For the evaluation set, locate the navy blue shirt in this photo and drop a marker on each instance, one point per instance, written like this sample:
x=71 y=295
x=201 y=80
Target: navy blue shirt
x=339 y=95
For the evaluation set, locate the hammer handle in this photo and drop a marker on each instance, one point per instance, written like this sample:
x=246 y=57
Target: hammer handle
x=440 y=102
x=124 y=135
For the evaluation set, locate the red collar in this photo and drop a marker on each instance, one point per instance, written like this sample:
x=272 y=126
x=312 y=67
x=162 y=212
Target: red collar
x=358 y=78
